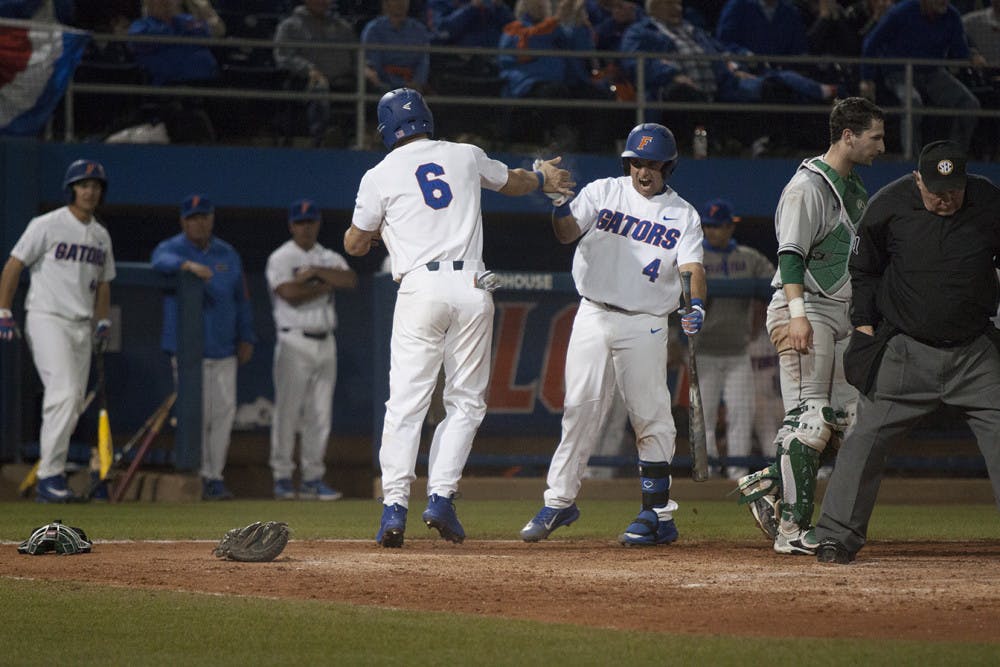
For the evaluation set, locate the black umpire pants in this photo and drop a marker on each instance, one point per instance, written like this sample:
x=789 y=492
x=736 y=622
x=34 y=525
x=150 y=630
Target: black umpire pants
x=914 y=380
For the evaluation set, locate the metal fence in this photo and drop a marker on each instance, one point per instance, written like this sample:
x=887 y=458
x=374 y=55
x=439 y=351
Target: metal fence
x=363 y=95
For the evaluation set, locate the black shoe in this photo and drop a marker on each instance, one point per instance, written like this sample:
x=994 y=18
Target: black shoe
x=832 y=551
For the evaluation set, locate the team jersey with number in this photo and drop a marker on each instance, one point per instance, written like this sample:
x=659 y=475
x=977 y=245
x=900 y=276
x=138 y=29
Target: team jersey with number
x=631 y=246
x=67 y=259
x=315 y=315
x=425 y=195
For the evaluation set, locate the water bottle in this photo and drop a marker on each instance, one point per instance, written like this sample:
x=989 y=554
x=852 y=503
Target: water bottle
x=699 y=145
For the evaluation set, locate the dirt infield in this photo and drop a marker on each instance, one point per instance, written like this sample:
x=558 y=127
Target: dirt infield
x=913 y=590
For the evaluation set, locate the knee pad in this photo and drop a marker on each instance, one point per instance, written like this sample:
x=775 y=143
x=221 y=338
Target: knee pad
x=813 y=426
x=655 y=481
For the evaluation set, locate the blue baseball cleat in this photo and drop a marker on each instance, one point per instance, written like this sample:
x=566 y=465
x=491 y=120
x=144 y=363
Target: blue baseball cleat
x=53 y=490
x=647 y=530
x=392 y=527
x=547 y=520
x=440 y=514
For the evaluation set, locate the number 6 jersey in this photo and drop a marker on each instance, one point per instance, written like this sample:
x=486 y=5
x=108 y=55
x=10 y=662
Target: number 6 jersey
x=631 y=246
x=428 y=194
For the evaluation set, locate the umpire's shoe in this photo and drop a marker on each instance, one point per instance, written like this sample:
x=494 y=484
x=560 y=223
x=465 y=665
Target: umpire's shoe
x=392 y=527
x=547 y=520
x=832 y=551
x=53 y=490
x=440 y=514
x=647 y=530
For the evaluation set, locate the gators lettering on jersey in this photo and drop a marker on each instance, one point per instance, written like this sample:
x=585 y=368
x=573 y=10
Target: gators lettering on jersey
x=631 y=246
x=67 y=259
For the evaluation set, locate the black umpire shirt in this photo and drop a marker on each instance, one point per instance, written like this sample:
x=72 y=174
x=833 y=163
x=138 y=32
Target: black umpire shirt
x=930 y=276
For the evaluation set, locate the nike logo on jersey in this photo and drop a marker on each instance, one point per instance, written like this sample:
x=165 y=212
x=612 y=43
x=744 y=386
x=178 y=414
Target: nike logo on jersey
x=668 y=218
x=73 y=252
x=632 y=227
x=656 y=330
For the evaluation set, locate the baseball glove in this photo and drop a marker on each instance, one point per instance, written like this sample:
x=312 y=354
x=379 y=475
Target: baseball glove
x=257 y=543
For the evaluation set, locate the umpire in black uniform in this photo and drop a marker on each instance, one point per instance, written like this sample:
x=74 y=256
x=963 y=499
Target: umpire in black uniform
x=925 y=288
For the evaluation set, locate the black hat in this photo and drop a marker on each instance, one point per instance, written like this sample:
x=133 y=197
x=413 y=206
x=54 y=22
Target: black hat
x=942 y=166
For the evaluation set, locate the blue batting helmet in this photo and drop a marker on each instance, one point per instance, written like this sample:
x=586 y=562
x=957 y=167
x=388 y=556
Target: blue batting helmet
x=83 y=170
x=651 y=141
x=403 y=113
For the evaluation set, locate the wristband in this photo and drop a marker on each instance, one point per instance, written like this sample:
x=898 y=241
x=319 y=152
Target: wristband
x=797 y=307
x=562 y=211
x=6 y=313
x=541 y=179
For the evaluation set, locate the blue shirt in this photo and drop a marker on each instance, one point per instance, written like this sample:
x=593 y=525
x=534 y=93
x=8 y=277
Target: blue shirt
x=169 y=63
x=398 y=68
x=462 y=23
x=904 y=32
x=226 y=306
x=743 y=23
x=521 y=73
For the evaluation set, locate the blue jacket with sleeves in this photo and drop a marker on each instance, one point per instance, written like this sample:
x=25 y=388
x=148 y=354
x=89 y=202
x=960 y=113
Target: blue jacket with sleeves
x=228 y=319
x=462 y=23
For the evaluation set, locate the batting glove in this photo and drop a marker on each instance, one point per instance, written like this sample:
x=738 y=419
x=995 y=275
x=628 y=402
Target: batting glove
x=487 y=280
x=558 y=199
x=694 y=318
x=102 y=334
x=8 y=325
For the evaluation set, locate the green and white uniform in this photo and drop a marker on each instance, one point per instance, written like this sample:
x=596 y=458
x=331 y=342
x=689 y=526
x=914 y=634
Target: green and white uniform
x=816 y=218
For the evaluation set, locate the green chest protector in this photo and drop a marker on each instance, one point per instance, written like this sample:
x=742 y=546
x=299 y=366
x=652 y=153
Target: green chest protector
x=827 y=261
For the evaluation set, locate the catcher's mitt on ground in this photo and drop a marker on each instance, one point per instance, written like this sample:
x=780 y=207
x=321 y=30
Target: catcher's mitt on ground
x=257 y=543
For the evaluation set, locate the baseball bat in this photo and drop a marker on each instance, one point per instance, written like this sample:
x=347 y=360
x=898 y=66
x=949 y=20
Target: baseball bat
x=158 y=419
x=105 y=449
x=32 y=476
x=696 y=414
x=143 y=430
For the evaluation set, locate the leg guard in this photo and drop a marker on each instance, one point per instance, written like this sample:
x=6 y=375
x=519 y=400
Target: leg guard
x=655 y=481
x=799 y=464
x=654 y=524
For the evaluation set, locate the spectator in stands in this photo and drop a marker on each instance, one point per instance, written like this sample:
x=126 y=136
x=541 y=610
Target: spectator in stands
x=922 y=29
x=608 y=33
x=841 y=30
x=317 y=69
x=764 y=27
x=553 y=77
x=982 y=27
x=176 y=63
x=388 y=70
x=664 y=29
x=468 y=22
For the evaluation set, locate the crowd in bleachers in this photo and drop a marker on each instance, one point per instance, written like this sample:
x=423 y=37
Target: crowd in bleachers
x=964 y=30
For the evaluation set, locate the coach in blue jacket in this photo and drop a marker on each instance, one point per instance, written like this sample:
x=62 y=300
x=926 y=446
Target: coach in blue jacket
x=228 y=322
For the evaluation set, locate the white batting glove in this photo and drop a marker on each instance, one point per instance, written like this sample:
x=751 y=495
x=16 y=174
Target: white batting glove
x=558 y=199
x=487 y=280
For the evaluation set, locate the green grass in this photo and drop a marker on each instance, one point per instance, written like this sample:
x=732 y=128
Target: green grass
x=93 y=624
x=485 y=519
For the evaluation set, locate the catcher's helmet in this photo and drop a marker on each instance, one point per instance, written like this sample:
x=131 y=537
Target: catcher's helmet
x=651 y=141
x=403 y=113
x=56 y=537
x=82 y=170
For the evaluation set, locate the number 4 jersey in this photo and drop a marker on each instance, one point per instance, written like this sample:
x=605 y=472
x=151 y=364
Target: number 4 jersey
x=425 y=196
x=631 y=246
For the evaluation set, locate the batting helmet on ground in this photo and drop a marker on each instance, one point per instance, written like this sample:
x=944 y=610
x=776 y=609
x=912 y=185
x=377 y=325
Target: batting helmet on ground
x=83 y=170
x=403 y=113
x=56 y=537
x=651 y=141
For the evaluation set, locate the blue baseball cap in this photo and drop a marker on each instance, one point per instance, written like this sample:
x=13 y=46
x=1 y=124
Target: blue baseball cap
x=718 y=212
x=303 y=210
x=195 y=204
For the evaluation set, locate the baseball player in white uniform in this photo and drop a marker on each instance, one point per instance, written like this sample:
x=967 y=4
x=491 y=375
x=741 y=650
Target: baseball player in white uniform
x=724 y=368
x=71 y=262
x=301 y=276
x=423 y=201
x=634 y=233
x=816 y=222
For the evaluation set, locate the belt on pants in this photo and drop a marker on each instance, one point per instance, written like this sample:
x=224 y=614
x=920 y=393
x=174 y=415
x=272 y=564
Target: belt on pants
x=457 y=265
x=612 y=308
x=315 y=335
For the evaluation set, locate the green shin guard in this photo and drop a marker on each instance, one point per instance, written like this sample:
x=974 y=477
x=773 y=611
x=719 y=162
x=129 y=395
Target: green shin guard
x=799 y=465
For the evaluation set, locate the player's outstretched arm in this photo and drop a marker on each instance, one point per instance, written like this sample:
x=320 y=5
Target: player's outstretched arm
x=548 y=178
